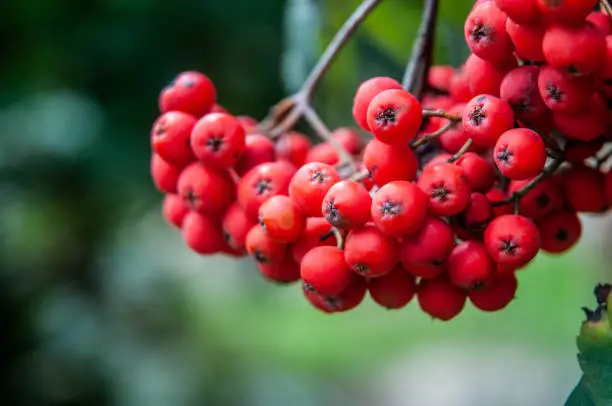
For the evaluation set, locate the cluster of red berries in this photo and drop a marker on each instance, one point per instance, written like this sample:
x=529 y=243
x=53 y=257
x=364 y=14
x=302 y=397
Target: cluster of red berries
x=456 y=196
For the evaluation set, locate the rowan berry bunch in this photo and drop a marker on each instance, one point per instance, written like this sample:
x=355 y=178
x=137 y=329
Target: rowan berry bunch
x=453 y=182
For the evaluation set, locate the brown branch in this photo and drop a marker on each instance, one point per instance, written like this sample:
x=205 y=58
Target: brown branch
x=441 y=113
x=426 y=138
x=340 y=237
x=361 y=175
x=461 y=151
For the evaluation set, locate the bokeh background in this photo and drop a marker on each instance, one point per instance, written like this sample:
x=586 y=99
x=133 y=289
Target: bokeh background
x=104 y=305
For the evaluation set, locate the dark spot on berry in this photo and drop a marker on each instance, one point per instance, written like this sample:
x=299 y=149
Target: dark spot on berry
x=509 y=247
x=226 y=236
x=214 y=143
x=192 y=199
x=332 y=214
x=553 y=92
x=160 y=131
x=361 y=269
x=607 y=82
x=386 y=116
x=437 y=262
x=308 y=287
x=481 y=31
x=260 y=257
x=573 y=70
x=477 y=115
x=440 y=192
x=261 y=223
x=318 y=176
x=477 y=285
x=504 y=154
x=263 y=186
x=389 y=208
x=562 y=235
x=333 y=303
x=543 y=200
x=520 y=105
x=188 y=83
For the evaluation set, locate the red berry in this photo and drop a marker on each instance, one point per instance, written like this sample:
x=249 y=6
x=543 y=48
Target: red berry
x=257 y=150
x=485 y=33
x=440 y=299
x=323 y=152
x=584 y=125
x=263 y=249
x=584 y=189
x=316 y=233
x=512 y=240
x=527 y=40
x=281 y=219
x=460 y=88
x=349 y=139
x=248 y=123
x=293 y=147
x=439 y=77
x=174 y=210
x=399 y=208
x=424 y=254
x=485 y=118
x=544 y=198
x=564 y=92
x=578 y=151
x=560 y=231
x=309 y=186
x=364 y=95
x=453 y=139
x=347 y=205
x=447 y=188
x=394 y=116
x=485 y=77
x=579 y=50
x=206 y=190
x=496 y=195
x=478 y=171
x=218 y=140
x=261 y=183
x=165 y=176
x=369 y=252
x=393 y=290
x=477 y=215
x=347 y=300
x=520 y=89
x=217 y=108
x=522 y=11
x=325 y=270
x=601 y=21
x=170 y=138
x=469 y=265
x=202 y=234
x=566 y=11
x=236 y=226
x=608 y=186
x=387 y=163
x=520 y=154
x=285 y=272
x=190 y=92
x=497 y=295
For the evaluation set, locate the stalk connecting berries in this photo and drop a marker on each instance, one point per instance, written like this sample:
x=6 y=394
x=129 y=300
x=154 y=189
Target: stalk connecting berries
x=438 y=195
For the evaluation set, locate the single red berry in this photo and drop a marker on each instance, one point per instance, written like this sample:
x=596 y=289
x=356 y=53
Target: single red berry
x=424 y=254
x=347 y=205
x=485 y=118
x=189 y=92
x=527 y=40
x=460 y=88
x=604 y=77
x=478 y=171
x=281 y=219
x=248 y=123
x=399 y=208
x=393 y=290
x=496 y=296
x=496 y=195
x=545 y=197
x=348 y=299
x=283 y=273
x=440 y=158
x=584 y=189
x=475 y=218
x=440 y=299
x=293 y=147
x=562 y=91
x=387 y=163
x=318 y=301
x=485 y=77
x=165 y=176
x=578 y=50
x=560 y=231
x=394 y=116
x=512 y=240
x=218 y=140
x=469 y=265
x=364 y=95
x=309 y=186
x=325 y=270
x=524 y=12
x=601 y=21
x=485 y=33
x=323 y=152
x=349 y=139
x=447 y=188
x=174 y=210
x=520 y=89
x=577 y=151
x=439 y=77
x=202 y=234
x=572 y=12
x=318 y=232
x=236 y=226
x=584 y=125
x=217 y=108
x=261 y=183
x=369 y=252
x=170 y=138
x=257 y=150
x=520 y=154
x=206 y=190
x=263 y=249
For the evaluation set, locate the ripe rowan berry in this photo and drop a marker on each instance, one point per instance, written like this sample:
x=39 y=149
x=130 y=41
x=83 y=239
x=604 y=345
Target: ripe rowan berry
x=318 y=301
x=364 y=95
x=261 y=183
x=399 y=208
x=601 y=21
x=497 y=295
x=485 y=33
x=440 y=299
x=174 y=210
x=478 y=171
x=520 y=154
x=165 y=176
x=248 y=123
x=309 y=186
x=560 y=231
x=387 y=163
x=544 y=198
x=189 y=92
x=257 y=150
x=393 y=290
x=351 y=297
x=496 y=195
x=566 y=11
x=577 y=151
x=347 y=205
x=520 y=89
x=512 y=240
x=564 y=92
x=527 y=40
x=218 y=140
x=439 y=77
x=202 y=233
x=170 y=138
x=281 y=219
x=325 y=270
x=206 y=190
x=447 y=188
x=469 y=265
x=349 y=139
x=485 y=118
x=217 y=108
x=263 y=249
x=284 y=273
x=394 y=116
x=476 y=216
x=459 y=87
x=524 y=12
x=424 y=254
x=369 y=252
x=317 y=232
x=293 y=147
x=485 y=77
x=323 y=152
x=584 y=189
x=578 y=50
x=236 y=226
x=586 y=124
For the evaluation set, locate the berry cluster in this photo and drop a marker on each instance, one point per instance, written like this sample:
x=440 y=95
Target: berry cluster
x=453 y=194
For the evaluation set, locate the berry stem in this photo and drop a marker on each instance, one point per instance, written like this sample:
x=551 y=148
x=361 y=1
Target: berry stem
x=361 y=175
x=605 y=4
x=441 y=113
x=415 y=75
x=461 y=151
x=601 y=160
x=339 y=237
x=426 y=138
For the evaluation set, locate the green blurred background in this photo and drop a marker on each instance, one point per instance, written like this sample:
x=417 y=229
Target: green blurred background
x=104 y=305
